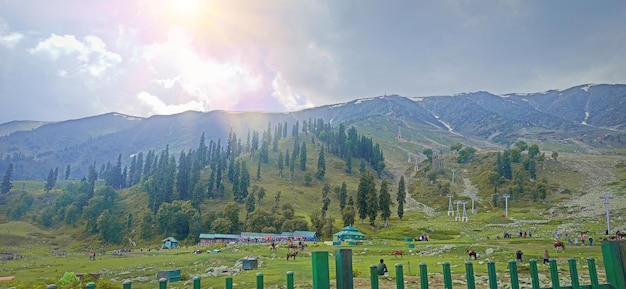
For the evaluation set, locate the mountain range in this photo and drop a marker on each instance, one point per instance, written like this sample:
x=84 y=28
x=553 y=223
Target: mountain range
x=586 y=119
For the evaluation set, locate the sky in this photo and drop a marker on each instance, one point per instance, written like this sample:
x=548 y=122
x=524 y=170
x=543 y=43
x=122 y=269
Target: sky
x=69 y=59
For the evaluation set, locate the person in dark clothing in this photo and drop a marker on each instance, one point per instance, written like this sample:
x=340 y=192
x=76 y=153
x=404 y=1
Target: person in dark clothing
x=382 y=267
x=518 y=255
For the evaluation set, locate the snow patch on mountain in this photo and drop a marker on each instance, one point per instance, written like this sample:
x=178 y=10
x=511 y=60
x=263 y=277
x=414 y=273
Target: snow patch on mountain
x=447 y=125
x=128 y=117
x=584 y=122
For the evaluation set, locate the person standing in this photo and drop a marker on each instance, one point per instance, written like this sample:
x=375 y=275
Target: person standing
x=518 y=255
x=590 y=241
x=546 y=257
x=382 y=268
x=582 y=239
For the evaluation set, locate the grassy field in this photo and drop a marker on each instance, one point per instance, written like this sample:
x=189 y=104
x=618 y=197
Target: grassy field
x=449 y=241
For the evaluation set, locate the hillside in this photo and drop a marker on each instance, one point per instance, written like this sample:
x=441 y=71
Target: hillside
x=586 y=119
x=162 y=159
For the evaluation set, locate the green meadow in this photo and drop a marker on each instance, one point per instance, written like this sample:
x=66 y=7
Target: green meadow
x=41 y=264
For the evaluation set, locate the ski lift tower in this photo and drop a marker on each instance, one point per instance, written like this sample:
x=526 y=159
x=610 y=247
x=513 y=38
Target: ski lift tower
x=464 y=218
x=450 y=209
x=458 y=214
x=506 y=204
x=606 y=198
x=473 y=196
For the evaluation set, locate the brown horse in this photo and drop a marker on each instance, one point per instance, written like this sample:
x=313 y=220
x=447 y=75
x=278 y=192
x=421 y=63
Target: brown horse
x=396 y=253
x=558 y=244
x=471 y=253
x=292 y=255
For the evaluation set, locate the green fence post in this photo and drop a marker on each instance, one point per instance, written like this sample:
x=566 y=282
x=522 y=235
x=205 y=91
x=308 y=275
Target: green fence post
x=127 y=284
x=374 y=276
x=423 y=276
x=447 y=276
x=289 y=279
x=52 y=286
x=554 y=273
x=534 y=274
x=573 y=273
x=91 y=285
x=343 y=269
x=321 y=275
x=469 y=275
x=593 y=273
x=491 y=270
x=614 y=255
x=229 y=282
x=163 y=283
x=259 y=280
x=196 y=282
x=399 y=277
x=513 y=272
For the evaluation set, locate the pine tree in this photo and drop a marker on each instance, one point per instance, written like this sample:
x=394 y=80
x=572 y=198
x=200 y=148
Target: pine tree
x=361 y=197
x=258 y=170
x=325 y=199
x=7 y=181
x=401 y=197
x=250 y=203
x=244 y=182
x=49 y=181
x=343 y=195
x=281 y=164
x=67 y=172
x=303 y=157
x=372 y=201
x=321 y=165
x=384 y=202
x=348 y=214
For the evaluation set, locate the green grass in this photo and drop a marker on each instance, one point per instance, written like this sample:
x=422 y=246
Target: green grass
x=449 y=241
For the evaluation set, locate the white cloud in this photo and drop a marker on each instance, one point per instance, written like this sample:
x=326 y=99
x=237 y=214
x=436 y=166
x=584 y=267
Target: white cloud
x=92 y=55
x=10 y=40
x=215 y=84
x=288 y=96
x=152 y=105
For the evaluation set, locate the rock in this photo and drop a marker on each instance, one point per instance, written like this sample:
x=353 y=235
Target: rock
x=141 y=279
x=489 y=251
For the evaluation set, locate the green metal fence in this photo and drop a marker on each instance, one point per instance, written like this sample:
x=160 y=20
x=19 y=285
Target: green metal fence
x=614 y=255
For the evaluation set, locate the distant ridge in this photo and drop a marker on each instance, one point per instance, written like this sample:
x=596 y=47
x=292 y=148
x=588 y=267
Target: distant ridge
x=581 y=118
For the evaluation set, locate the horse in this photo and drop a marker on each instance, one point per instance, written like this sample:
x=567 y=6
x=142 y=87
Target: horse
x=396 y=253
x=292 y=255
x=558 y=244
x=471 y=253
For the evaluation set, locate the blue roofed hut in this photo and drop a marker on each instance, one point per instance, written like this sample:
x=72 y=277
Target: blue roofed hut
x=348 y=233
x=170 y=242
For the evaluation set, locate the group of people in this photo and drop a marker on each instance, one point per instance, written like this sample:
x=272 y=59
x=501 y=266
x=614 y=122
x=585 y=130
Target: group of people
x=574 y=241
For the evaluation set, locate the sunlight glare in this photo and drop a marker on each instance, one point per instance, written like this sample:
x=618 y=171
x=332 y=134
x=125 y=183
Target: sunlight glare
x=186 y=8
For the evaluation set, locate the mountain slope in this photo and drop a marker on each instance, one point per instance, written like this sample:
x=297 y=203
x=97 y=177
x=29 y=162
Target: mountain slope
x=582 y=118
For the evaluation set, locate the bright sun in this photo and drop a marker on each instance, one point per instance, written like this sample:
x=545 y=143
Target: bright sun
x=185 y=8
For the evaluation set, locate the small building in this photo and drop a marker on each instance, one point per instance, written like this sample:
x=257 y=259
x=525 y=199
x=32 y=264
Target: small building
x=305 y=235
x=208 y=239
x=169 y=243
x=348 y=233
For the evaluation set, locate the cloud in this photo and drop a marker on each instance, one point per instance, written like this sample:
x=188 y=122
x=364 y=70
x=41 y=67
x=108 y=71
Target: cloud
x=287 y=96
x=9 y=39
x=186 y=77
x=151 y=105
x=91 y=54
